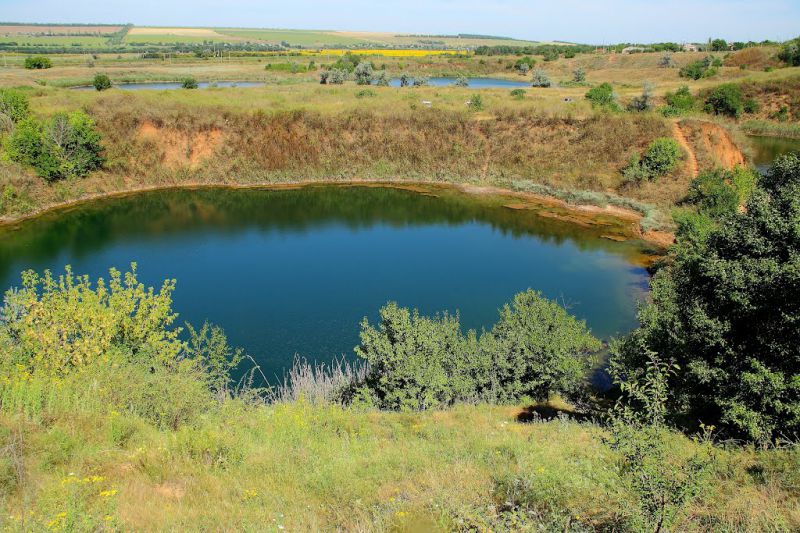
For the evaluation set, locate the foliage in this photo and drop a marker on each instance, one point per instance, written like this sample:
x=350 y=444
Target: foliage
x=67 y=145
x=725 y=310
x=678 y=102
x=209 y=348
x=518 y=94
x=523 y=65
x=14 y=104
x=37 y=62
x=725 y=99
x=603 y=96
x=535 y=349
x=363 y=73
x=644 y=102
x=579 y=75
x=101 y=82
x=476 y=102
x=333 y=77
x=540 y=79
x=719 y=45
x=381 y=79
x=660 y=158
x=461 y=81
x=666 y=61
x=790 y=53
x=698 y=69
x=189 y=83
x=721 y=192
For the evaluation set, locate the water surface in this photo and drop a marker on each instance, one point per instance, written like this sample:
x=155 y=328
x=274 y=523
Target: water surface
x=288 y=272
x=766 y=149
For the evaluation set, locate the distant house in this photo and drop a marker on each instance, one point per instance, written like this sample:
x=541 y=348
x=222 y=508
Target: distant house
x=689 y=47
x=633 y=50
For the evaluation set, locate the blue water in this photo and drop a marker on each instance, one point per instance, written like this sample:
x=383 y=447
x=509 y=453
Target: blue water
x=288 y=272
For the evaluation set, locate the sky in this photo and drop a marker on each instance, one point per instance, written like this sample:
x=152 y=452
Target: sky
x=585 y=21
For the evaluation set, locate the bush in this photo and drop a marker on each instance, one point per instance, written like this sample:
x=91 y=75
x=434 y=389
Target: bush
x=101 y=82
x=14 y=104
x=476 y=102
x=540 y=79
x=720 y=192
x=37 y=62
x=65 y=146
x=518 y=94
x=679 y=102
x=790 y=53
x=725 y=100
x=751 y=106
x=660 y=158
x=579 y=75
x=363 y=73
x=189 y=83
x=461 y=81
x=698 y=69
x=603 y=96
x=644 y=102
x=365 y=93
x=535 y=349
x=725 y=311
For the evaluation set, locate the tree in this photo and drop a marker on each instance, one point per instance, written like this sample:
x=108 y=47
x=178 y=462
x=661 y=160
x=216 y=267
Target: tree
x=602 y=96
x=790 y=53
x=363 y=73
x=461 y=81
x=698 y=69
x=67 y=145
x=725 y=99
x=537 y=349
x=579 y=75
x=189 y=83
x=101 y=82
x=540 y=79
x=726 y=311
x=643 y=102
x=719 y=45
x=14 y=104
x=405 y=80
x=37 y=62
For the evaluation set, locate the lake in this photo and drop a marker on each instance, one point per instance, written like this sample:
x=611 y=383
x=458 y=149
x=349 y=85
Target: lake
x=293 y=271
x=766 y=149
x=474 y=83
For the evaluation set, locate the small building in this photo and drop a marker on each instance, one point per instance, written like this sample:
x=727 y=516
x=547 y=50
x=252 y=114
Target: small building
x=690 y=47
x=633 y=50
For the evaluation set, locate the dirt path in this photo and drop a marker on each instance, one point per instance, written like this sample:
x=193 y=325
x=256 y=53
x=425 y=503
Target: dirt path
x=691 y=163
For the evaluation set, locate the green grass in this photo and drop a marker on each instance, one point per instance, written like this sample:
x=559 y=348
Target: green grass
x=55 y=40
x=165 y=38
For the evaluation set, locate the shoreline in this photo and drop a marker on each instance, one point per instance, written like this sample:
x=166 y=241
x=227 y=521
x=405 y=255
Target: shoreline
x=661 y=239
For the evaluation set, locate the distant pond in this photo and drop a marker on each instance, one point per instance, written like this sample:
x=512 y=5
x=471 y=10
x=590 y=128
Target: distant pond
x=293 y=271
x=766 y=149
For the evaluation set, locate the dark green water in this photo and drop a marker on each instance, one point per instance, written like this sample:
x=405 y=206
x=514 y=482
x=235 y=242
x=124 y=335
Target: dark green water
x=766 y=149
x=290 y=272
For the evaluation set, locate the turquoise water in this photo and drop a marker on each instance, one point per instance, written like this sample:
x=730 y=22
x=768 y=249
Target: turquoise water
x=288 y=272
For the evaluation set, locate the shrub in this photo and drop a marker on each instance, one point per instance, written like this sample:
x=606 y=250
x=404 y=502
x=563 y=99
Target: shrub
x=643 y=102
x=602 y=96
x=725 y=311
x=681 y=101
x=14 y=104
x=725 y=100
x=189 y=83
x=790 y=53
x=365 y=93
x=419 y=81
x=101 y=82
x=720 y=192
x=579 y=75
x=363 y=73
x=38 y=62
x=660 y=158
x=67 y=145
x=381 y=79
x=405 y=80
x=476 y=102
x=535 y=349
x=333 y=77
x=719 y=45
x=461 y=81
x=524 y=65
x=698 y=69
x=540 y=79
x=751 y=106
x=666 y=61
x=518 y=94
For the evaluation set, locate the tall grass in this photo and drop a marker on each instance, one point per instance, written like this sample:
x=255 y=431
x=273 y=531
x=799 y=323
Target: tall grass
x=318 y=383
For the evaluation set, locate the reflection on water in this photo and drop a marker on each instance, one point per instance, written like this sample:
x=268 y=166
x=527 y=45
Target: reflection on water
x=766 y=149
x=290 y=272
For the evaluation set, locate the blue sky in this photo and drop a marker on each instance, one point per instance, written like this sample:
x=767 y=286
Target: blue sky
x=595 y=21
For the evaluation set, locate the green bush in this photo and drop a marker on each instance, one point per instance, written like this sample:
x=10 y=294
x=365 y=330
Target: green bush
x=476 y=102
x=14 y=104
x=189 y=83
x=644 y=102
x=790 y=53
x=535 y=349
x=65 y=146
x=363 y=73
x=37 y=62
x=662 y=156
x=461 y=81
x=698 y=69
x=725 y=100
x=725 y=311
x=679 y=102
x=101 y=82
x=751 y=106
x=540 y=79
x=579 y=75
x=602 y=96
x=518 y=94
